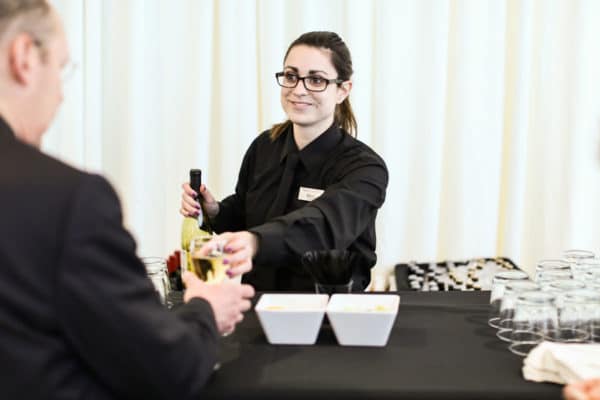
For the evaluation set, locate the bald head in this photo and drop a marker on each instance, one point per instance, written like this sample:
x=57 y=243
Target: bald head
x=33 y=51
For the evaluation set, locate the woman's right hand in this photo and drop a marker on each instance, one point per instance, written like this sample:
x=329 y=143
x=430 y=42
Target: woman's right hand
x=190 y=207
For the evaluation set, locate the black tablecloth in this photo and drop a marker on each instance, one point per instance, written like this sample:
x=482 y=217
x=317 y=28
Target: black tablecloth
x=440 y=347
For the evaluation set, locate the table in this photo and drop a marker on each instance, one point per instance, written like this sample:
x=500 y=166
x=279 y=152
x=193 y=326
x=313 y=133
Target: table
x=440 y=348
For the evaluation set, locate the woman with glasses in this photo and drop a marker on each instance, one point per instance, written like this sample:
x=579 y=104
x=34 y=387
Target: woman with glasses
x=307 y=183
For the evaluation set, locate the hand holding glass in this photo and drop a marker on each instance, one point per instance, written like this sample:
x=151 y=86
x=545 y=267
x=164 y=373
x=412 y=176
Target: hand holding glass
x=207 y=259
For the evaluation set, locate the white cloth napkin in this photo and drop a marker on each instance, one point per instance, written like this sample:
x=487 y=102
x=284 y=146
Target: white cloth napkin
x=562 y=362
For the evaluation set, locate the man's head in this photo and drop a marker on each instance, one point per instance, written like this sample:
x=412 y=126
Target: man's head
x=33 y=52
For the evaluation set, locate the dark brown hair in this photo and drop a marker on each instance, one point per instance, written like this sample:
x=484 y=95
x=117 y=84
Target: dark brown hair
x=342 y=62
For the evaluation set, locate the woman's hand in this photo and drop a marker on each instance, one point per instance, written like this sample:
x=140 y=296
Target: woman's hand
x=239 y=248
x=190 y=207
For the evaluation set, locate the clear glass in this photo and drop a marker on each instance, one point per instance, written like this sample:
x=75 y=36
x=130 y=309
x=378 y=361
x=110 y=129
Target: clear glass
x=576 y=257
x=207 y=263
x=507 y=306
x=559 y=288
x=592 y=275
x=535 y=316
x=549 y=265
x=592 y=281
x=499 y=282
x=546 y=277
x=581 y=269
x=156 y=268
x=580 y=310
x=567 y=335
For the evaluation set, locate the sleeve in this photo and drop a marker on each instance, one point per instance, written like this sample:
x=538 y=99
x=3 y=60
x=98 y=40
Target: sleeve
x=112 y=316
x=334 y=220
x=231 y=215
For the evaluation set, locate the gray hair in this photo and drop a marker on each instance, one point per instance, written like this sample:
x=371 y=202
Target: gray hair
x=25 y=16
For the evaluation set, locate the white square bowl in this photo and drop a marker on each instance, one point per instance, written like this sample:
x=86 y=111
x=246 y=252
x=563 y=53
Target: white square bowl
x=362 y=319
x=291 y=318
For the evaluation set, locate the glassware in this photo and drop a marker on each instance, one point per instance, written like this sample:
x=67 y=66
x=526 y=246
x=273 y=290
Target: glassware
x=546 y=277
x=507 y=306
x=207 y=263
x=548 y=265
x=498 y=285
x=580 y=310
x=592 y=281
x=581 y=269
x=575 y=257
x=156 y=269
x=535 y=316
x=559 y=288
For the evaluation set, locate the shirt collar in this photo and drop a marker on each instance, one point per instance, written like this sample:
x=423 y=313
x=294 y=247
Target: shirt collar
x=316 y=151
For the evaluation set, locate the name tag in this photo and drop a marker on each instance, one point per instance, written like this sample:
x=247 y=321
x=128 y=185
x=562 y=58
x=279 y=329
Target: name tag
x=309 y=194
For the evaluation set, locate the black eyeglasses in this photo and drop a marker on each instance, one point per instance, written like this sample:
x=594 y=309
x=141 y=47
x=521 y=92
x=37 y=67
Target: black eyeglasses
x=312 y=83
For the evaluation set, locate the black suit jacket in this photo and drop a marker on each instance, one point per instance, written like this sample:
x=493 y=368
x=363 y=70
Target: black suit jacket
x=79 y=319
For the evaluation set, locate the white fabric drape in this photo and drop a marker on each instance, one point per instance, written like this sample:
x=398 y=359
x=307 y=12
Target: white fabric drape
x=486 y=112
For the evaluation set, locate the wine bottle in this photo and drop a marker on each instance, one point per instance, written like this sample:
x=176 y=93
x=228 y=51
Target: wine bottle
x=190 y=228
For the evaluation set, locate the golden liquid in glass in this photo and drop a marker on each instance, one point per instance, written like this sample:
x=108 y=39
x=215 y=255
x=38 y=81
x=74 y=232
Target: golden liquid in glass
x=209 y=268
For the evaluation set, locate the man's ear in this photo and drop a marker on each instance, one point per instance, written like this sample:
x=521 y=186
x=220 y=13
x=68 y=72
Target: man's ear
x=22 y=58
x=343 y=91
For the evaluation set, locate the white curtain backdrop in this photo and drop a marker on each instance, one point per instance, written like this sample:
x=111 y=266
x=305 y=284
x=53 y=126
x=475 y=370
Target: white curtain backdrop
x=487 y=113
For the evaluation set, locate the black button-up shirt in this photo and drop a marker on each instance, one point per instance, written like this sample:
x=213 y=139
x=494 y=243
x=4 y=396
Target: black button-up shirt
x=353 y=179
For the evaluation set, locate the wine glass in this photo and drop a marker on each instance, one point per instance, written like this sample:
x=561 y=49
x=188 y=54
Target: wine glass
x=207 y=259
x=207 y=255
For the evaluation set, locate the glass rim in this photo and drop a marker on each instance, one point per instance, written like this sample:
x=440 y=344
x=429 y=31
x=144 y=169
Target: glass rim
x=566 y=284
x=511 y=275
x=581 y=296
x=154 y=264
x=590 y=261
x=578 y=253
x=536 y=297
x=522 y=286
x=153 y=260
x=556 y=273
x=556 y=263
